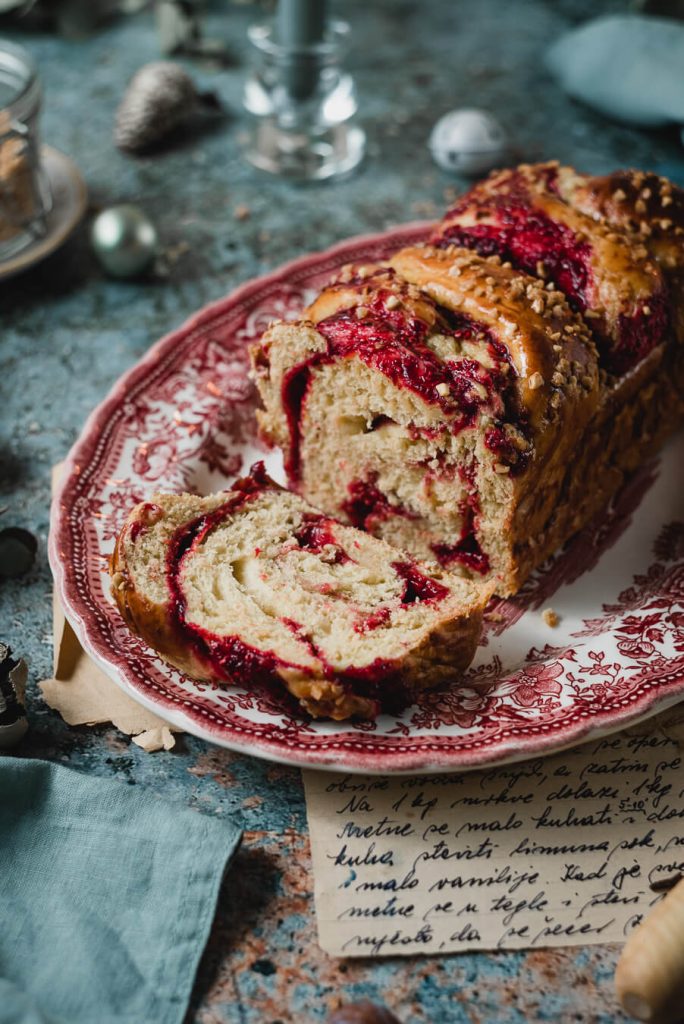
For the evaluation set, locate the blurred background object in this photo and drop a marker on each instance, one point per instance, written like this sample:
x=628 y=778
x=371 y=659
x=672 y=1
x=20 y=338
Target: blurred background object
x=468 y=142
x=301 y=101
x=24 y=191
x=627 y=67
x=124 y=239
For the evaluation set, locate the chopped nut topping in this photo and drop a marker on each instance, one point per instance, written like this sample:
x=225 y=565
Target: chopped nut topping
x=646 y=310
x=442 y=388
x=536 y=381
x=393 y=302
x=619 y=195
x=361 y=312
x=550 y=617
x=666 y=200
x=500 y=468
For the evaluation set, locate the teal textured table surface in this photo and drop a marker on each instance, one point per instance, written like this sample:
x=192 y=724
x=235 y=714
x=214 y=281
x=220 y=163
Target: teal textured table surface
x=67 y=333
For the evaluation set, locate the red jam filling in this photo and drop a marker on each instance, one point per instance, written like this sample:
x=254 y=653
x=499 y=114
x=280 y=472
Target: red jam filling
x=466 y=552
x=367 y=505
x=639 y=334
x=380 y=617
x=526 y=236
x=391 y=341
x=315 y=533
x=417 y=586
x=293 y=395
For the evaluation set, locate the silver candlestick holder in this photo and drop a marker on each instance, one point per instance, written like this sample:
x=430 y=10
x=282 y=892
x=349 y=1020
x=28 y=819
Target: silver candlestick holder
x=302 y=103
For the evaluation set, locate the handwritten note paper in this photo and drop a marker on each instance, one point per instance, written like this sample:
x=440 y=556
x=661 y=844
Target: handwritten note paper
x=560 y=851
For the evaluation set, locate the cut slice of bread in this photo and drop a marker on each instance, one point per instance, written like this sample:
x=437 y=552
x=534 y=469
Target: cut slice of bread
x=254 y=585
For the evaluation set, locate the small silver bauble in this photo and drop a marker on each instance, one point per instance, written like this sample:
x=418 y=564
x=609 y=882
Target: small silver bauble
x=124 y=240
x=468 y=141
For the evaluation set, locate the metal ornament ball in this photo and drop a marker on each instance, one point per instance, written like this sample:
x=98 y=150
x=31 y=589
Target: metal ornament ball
x=124 y=240
x=468 y=142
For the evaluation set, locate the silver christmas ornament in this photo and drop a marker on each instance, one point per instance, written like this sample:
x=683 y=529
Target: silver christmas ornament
x=468 y=141
x=160 y=97
x=124 y=240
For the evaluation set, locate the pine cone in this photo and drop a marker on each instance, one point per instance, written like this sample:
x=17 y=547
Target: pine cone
x=160 y=97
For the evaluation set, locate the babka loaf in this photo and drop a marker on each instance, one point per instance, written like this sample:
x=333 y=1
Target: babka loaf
x=253 y=585
x=478 y=399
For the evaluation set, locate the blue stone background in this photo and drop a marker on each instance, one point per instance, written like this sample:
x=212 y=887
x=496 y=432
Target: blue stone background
x=67 y=333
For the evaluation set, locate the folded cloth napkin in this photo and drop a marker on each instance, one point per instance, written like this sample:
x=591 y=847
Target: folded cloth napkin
x=106 y=898
x=627 y=66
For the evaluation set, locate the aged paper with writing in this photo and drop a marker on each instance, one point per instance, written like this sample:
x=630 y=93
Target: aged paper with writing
x=566 y=850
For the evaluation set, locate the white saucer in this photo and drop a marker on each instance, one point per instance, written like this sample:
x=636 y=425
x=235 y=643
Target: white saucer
x=69 y=198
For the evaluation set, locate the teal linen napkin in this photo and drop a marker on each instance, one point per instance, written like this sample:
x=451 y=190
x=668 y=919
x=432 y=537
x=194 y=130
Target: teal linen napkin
x=107 y=896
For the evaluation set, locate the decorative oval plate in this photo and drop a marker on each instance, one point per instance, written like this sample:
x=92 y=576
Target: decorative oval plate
x=183 y=419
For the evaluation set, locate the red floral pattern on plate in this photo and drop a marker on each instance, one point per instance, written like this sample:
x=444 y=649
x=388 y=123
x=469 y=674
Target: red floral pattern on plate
x=183 y=419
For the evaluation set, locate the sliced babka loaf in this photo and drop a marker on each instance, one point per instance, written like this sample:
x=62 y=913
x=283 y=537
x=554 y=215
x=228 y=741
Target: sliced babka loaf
x=254 y=585
x=531 y=216
x=435 y=402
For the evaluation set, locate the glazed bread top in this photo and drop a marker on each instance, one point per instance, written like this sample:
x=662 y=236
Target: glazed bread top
x=645 y=204
x=526 y=217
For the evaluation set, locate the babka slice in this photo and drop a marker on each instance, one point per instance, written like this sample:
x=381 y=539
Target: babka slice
x=532 y=217
x=253 y=585
x=436 y=402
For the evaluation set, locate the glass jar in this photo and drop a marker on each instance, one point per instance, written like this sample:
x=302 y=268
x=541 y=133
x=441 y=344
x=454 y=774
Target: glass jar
x=302 y=105
x=24 y=190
